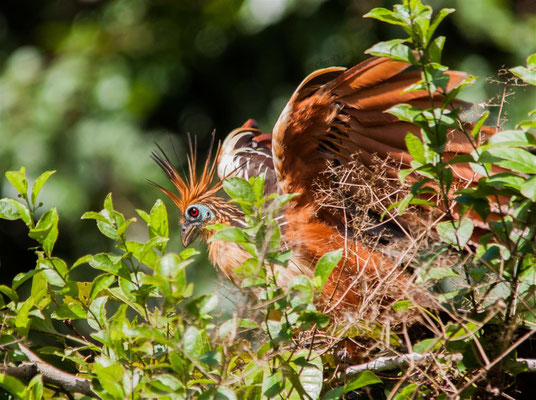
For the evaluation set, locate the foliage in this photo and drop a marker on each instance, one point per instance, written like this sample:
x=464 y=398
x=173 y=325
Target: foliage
x=137 y=331
x=495 y=289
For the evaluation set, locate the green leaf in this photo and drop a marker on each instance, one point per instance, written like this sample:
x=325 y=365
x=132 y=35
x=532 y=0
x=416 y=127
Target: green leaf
x=457 y=233
x=110 y=375
x=438 y=273
x=301 y=291
x=193 y=342
x=9 y=293
x=96 y=318
x=415 y=148
x=405 y=112
x=107 y=263
x=96 y=216
x=39 y=292
x=202 y=305
x=23 y=277
x=123 y=227
x=166 y=382
x=439 y=17
x=108 y=204
x=13 y=386
x=504 y=180
x=365 y=378
x=38 y=184
x=11 y=209
x=273 y=384
x=170 y=266
x=101 y=283
x=310 y=318
x=393 y=49
x=46 y=230
x=426 y=345
x=146 y=217
x=325 y=266
x=18 y=180
x=436 y=49
x=236 y=326
x=279 y=258
x=511 y=138
x=257 y=184
x=239 y=189
x=385 y=15
x=22 y=320
x=187 y=253
x=531 y=61
x=528 y=189
x=528 y=75
x=518 y=160
x=147 y=254
x=109 y=231
x=310 y=372
x=223 y=393
x=232 y=234
x=55 y=270
x=402 y=305
x=479 y=124
x=82 y=260
x=407 y=392
x=334 y=394
x=278 y=202
x=69 y=311
x=158 y=225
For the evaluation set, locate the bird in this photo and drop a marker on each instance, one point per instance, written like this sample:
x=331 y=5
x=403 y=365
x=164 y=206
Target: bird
x=335 y=147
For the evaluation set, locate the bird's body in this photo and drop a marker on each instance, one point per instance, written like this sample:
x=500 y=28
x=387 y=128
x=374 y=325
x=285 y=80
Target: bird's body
x=333 y=140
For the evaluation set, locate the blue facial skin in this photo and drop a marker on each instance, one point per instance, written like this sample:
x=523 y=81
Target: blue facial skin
x=194 y=217
x=198 y=213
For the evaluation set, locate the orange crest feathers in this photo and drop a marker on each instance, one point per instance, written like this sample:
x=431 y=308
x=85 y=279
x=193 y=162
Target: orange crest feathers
x=191 y=189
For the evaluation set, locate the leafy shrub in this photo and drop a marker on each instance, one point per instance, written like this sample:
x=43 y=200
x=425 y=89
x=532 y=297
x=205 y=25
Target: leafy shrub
x=137 y=331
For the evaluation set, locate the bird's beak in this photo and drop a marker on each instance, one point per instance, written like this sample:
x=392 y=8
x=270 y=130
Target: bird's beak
x=189 y=233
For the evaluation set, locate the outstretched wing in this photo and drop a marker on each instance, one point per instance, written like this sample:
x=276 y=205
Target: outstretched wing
x=247 y=152
x=336 y=117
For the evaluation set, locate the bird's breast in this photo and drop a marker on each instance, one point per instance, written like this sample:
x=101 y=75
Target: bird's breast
x=227 y=256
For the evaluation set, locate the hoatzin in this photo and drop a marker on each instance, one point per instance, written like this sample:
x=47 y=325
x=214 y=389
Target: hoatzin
x=333 y=133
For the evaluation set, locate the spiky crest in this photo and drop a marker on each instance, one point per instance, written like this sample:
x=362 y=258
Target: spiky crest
x=191 y=189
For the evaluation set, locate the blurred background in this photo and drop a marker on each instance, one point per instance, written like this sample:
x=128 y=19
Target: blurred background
x=88 y=86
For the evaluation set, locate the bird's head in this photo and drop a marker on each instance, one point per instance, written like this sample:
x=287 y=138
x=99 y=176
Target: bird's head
x=196 y=197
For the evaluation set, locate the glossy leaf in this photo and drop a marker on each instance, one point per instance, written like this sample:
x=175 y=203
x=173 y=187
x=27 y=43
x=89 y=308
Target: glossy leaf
x=365 y=378
x=38 y=184
x=18 y=180
x=325 y=266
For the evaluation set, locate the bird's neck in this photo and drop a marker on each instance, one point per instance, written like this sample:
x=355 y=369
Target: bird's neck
x=225 y=213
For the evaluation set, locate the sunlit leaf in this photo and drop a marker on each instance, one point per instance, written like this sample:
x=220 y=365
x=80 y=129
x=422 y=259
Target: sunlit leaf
x=38 y=184
x=325 y=266
x=18 y=180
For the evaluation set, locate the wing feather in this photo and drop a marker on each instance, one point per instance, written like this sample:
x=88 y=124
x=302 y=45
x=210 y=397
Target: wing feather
x=247 y=152
x=334 y=121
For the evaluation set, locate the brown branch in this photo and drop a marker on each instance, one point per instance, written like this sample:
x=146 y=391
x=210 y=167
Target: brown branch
x=51 y=375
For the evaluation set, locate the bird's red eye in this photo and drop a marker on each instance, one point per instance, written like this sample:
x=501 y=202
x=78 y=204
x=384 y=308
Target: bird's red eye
x=194 y=212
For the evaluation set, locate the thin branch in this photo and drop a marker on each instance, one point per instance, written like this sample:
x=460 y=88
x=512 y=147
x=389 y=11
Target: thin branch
x=392 y=363
x=530 y=363
x=51 y=375
x=388 y=363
